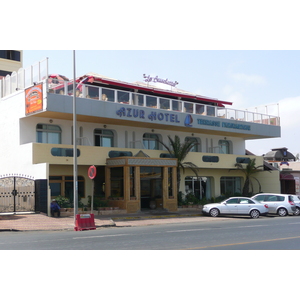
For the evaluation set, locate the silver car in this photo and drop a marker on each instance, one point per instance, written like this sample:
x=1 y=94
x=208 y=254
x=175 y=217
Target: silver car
x=296 y=200
x=279 y=204
x=236 y=206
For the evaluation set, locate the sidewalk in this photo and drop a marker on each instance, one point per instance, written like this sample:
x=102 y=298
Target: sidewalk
x=36 y=221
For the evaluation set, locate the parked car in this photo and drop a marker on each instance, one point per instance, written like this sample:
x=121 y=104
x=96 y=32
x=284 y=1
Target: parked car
x=296 y=200
x=236 y=206
x=279 y=204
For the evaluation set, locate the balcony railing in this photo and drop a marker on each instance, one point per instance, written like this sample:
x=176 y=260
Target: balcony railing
x=39 y=72
x=142 y=100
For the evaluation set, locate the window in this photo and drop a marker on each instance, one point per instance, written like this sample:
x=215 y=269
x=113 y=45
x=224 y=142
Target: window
x=213 y=159
x=138 y=99
x=224 y=146
x=164 y=103
x=108 y=95
x=104 y=138
x=170 y=182
x=116 y=179
x=246 y=201
x=151 y=101
x=197 y=147
x=119 y=153
x=243 y=160
x=10 y=54
x=64 y=186
x=273 y=198
x=233 y=201
x=150 y=141
x=132 y=181
x=66 y=152
x=260 y=198
x=123 y=97
x=230 y=185
x=48 y=134
x=200 y=187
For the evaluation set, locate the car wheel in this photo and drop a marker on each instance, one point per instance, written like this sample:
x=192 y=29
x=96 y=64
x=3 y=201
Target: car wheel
x=282 y=212
x=214 y=212
x=254 y=214
x=297 y=211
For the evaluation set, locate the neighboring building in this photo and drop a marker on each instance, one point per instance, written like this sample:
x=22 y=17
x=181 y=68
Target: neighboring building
x=289 y=168
x=10 y=61
x=119 y=124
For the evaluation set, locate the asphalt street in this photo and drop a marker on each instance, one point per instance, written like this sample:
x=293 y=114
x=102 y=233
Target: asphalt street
x=237 y=233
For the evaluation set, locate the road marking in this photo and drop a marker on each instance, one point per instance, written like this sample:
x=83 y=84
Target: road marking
x=225 y=245
x=252 y=226
x=189 y=230
x=98 y=236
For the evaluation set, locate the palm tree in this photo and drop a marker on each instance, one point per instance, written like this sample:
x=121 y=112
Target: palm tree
x=180 y=150
x=249 y=171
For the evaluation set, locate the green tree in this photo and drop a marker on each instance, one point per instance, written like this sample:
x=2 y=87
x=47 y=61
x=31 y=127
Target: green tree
x=249 y=171
x=180 y=150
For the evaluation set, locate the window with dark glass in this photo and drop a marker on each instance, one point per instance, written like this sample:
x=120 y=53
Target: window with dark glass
x=10 y=54
x=151 y=101
x=207 y=158
x=67 y=152
x=119 y=153
x=64 y=185
x=242 y=160
x=116 y=179
x=104 y=138
x=230 y=185
x=170 y=182
x=132 y=180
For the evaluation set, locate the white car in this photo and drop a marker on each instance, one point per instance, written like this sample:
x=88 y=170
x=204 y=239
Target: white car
x=279 y=204
x=236 y=206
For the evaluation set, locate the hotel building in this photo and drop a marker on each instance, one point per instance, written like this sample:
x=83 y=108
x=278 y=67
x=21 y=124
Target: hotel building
x=119 y=125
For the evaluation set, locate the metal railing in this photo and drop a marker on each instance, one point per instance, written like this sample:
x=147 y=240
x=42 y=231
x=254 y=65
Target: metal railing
x=39 y=72
x=24 y=78
x=142 y=100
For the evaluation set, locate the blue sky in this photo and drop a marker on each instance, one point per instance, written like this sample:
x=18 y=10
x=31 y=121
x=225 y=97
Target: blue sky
x=249 y=79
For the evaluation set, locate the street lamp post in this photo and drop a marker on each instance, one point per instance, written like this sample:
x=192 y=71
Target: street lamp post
x=75 y=171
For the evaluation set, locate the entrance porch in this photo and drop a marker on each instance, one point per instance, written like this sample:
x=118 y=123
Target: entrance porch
x=141 y=183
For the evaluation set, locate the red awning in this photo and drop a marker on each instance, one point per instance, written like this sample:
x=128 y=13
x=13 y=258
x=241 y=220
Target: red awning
x=286 y=176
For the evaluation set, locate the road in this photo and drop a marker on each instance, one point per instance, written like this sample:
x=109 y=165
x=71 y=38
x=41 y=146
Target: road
x=238 y=233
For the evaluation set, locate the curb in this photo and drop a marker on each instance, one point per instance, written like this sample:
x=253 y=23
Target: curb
x=157 y=217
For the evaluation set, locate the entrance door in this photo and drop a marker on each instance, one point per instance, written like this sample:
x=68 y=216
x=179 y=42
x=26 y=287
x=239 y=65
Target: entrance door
x=17 y=194
x=151 y=186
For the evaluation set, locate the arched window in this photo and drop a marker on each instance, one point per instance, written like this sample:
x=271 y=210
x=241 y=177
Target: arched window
x=196 y=148
x=104 y=138
x=224 y=146
x=48 y=134
x=150 y=141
